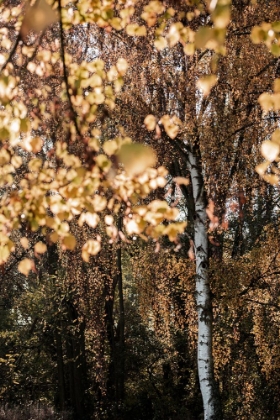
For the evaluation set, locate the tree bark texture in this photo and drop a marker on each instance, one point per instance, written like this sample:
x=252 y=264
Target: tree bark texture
x=203 y=294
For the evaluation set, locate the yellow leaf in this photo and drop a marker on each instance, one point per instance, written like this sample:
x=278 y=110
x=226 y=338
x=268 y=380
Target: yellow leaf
x=7 y=246
x=54 y=237
x=160 y=43
x=25 y=266
x=221 y=15
x=109 y=220
x=206 y=83
x=16 y=161
x=171 y=125
x=116 y=23
x=40 y=248
x=276 y=136
x=173 y=229
x=212 y=38
x=103 y=162
x=94 y=81
x=91 y=247
x=203 y=36
x=110 y=147
x=270 y=150
x=276 y=85
x=91 y=219
x=99 y=202
x=174 y=33
x=85 y=255
x=135 y=30
x=150 y=122
x=38 y=17
x=271 y=178
x=35 y=164
x=262 y=167
x=69 y=242
x=36 y=144
x=136 y=158
x=24 y=242
x=122 y=66
x=266 y=101
x=189 y=49
x=257 y=35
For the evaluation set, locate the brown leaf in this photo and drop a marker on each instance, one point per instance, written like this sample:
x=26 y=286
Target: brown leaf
x=38 y=18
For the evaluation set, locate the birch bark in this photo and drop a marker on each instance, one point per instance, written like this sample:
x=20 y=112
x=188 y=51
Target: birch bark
x=203 y=294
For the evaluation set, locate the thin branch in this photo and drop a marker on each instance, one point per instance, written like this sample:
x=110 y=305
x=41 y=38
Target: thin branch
x=263 y=303
x=11 y=53
x=241 y=128
x=273 y=61
x=65 y=77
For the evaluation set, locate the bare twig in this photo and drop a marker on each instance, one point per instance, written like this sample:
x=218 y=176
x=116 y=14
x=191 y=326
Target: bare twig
x=11 y=53
x=65 y=77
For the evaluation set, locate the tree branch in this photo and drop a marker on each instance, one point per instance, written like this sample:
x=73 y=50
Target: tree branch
x=65 y=77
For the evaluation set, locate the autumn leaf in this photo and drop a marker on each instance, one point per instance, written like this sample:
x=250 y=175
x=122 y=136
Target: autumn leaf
x=135 y=30
x=270 y=150
x=91 y=247
x=110 y=147
x=25 y=266
x=136 y=158
x=161 y=43
x=40 y=248
x=273 y=179
x=206 y=83
x=171 y=125
x=24 y=242
x=38 y=17
x=69 y=242
x=150 y=122
x=174 y=229
x=122 y=66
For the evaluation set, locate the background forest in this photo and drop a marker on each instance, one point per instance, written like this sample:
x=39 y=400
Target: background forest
x=139 y=216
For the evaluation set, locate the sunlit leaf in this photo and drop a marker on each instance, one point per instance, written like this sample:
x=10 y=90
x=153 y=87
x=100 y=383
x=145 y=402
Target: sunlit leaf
x=150 y=122
x=270 y=150
x=69 y=242
x=136 y=158
x=174 y=229
x=25 y=266
x=110 y=147
x=91 y=247
x=135 y=30
x=122 y=66
x=161 y=43
x=271 y=178
x=92 y=219
x=40 y=248
x=171 y=125
x=24 y=242
x=206 y=83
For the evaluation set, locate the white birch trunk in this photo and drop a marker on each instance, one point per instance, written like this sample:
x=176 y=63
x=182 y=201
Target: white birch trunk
x=203 y=297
